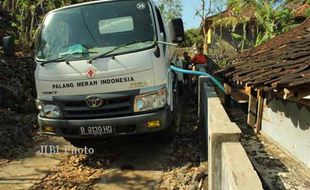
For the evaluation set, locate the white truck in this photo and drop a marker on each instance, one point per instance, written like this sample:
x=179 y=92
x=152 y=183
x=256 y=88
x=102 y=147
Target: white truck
x=103 y=70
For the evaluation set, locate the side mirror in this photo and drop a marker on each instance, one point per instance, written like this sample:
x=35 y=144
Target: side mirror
x=177 y=30
x=8 y=46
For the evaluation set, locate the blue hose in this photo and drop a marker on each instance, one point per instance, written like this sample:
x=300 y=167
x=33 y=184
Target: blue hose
x=214 y=80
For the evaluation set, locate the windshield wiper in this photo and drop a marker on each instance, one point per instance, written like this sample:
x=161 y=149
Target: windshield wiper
x=64 y=57
x=58 y=59
x=114 y=49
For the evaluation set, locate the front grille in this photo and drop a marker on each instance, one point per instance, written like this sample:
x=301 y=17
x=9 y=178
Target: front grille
x=111 y=107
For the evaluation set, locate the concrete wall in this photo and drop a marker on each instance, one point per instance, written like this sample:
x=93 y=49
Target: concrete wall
x=237 y=171
x=223 y=42
x=228 y=165
x=288 y=124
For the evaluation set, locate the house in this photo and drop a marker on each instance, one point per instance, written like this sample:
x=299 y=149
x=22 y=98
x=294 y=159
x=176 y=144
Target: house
x=219 y=28
x=274 y=79
x=219 y=39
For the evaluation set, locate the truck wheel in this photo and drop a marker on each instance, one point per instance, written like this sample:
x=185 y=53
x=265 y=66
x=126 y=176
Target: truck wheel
x=167 y=135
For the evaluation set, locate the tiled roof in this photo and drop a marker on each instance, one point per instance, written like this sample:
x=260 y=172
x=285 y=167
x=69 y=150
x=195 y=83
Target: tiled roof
x=281 y=63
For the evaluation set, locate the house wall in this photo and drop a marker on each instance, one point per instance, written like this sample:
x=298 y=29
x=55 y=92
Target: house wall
x=288 y=124
x=223 y=41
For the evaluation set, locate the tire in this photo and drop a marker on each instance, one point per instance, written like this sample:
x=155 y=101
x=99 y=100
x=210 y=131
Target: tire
x=168 y=134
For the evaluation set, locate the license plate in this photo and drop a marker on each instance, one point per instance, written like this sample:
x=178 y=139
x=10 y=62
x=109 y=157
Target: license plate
x=96 y=130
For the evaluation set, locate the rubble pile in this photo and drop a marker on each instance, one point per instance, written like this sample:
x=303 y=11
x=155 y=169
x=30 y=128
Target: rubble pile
x=17 y=87
x=185 y=178
x=17 y=109
x=16 y=134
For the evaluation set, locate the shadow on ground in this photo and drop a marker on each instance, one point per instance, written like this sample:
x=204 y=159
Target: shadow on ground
x=136 y=162
x=268 y=168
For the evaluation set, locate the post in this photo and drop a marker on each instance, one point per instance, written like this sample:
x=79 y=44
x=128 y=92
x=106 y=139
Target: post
x=202 y=116
x=260 y=109
x=227 y=91
x=252 y=109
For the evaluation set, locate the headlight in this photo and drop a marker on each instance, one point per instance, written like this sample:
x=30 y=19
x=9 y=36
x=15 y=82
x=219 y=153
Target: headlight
x=48 y=110
x=51 y=111
x=150 y=101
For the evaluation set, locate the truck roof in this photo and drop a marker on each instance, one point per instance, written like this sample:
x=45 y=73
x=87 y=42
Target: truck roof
x=89 y=3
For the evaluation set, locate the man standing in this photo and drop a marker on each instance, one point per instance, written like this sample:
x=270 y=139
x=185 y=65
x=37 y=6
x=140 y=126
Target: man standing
x=186 y=63
x=200 y=59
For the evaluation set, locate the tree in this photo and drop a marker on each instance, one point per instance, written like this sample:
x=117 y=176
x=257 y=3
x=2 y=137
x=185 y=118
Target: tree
x=171 y=9
x=192 y=36
x=271 y=20
x=26 y=15
x=203 y=14
x=206 y=9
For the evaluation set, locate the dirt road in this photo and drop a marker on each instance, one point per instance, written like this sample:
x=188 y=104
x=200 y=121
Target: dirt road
x=119 y=163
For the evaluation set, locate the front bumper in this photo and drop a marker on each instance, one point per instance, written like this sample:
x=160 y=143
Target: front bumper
x=127 y=125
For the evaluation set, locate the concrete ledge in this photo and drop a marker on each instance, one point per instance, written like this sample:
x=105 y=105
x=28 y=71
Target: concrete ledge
x=228 y=165
x=217 y=113
x=218 y=134
x=237 y=170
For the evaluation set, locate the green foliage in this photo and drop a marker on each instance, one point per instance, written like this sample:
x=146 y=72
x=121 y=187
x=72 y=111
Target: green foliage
x=307 y=13
x=260 y=39
x=273 y=21
x=26 y=15
x=223 y=62
x=171 y=9
x=236 y=8
x=192 y=36
x=244 y=41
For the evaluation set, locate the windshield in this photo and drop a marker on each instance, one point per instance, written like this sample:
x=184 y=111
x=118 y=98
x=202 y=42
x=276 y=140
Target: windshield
x=94 y=29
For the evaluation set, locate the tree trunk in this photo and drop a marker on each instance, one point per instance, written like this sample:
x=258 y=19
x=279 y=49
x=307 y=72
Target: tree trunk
x=244 y=36
x=32 y=22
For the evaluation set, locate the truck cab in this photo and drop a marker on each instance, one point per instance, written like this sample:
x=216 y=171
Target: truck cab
x=103 y=69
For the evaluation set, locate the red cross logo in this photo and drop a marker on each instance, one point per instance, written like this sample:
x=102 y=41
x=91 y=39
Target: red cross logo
x=90 y=73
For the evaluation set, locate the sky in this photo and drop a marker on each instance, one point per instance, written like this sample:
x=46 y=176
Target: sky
x=189 y=18
x=189 y=12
